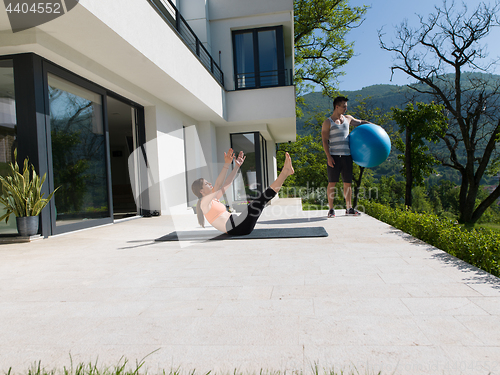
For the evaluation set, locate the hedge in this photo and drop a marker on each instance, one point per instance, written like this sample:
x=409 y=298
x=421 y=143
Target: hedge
x=479 y=247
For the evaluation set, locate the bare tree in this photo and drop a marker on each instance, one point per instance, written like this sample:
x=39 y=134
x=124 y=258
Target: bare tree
x=448 y=60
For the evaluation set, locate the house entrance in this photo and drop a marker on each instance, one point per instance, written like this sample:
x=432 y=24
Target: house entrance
x=122 y=142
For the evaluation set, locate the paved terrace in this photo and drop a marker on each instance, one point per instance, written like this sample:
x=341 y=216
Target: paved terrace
x=368 y=297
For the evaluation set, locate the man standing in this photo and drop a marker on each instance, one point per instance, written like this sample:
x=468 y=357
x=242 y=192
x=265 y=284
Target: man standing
x=335 y=132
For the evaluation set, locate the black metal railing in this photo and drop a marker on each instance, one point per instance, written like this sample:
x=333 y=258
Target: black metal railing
x=167 y=10
x=271 y=78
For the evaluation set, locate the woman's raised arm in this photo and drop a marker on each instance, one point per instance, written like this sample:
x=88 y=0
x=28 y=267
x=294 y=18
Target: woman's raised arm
x=228 y=158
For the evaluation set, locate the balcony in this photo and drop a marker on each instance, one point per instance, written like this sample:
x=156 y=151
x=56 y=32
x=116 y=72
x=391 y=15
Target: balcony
x=167 y=10
x=263 y=79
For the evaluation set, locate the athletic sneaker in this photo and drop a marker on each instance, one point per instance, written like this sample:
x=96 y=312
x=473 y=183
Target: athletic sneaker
x=331 y=213
x=352 y=212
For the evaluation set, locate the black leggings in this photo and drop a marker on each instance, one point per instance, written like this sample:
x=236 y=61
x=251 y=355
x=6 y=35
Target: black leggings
x=245 y=222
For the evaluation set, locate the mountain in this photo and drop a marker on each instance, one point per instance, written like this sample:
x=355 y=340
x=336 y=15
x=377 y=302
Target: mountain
x=382 y=96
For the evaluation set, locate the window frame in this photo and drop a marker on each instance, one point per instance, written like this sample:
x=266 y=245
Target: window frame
x=280 y=45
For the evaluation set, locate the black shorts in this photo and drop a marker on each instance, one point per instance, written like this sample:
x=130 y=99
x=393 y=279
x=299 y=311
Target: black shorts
x=343 y=164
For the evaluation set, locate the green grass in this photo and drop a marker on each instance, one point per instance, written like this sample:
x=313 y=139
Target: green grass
x=491 y=226
x=125 y=368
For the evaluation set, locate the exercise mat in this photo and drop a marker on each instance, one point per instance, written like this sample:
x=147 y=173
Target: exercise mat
x=259 y=233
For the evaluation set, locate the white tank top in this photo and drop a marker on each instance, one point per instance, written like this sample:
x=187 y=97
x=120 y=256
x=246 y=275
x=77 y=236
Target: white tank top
x=339 y=138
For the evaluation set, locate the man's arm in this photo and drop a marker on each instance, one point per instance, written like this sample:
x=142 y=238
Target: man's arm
x=355 y=122
x=325 y=136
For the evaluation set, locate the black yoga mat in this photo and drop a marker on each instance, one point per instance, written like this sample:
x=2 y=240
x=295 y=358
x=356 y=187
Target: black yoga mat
x=204 y=235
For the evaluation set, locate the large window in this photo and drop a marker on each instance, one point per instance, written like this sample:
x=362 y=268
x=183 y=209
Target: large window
x=259 y=58
x=78 y=152
x=8 y=130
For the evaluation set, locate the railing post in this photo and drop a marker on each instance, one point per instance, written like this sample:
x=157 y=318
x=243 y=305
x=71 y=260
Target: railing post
x=177 y=20
x=197 y=46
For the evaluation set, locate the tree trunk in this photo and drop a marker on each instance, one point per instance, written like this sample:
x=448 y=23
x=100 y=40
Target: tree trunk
x=469 y=203
x=469 y=195
x=485 y=204
x=409 y=176
x=357 y=185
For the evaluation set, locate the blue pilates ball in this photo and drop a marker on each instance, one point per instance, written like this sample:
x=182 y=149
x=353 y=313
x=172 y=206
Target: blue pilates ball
x=370 y=145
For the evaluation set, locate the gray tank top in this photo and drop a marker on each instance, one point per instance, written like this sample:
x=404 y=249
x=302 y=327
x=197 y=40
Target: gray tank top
x=339 y=138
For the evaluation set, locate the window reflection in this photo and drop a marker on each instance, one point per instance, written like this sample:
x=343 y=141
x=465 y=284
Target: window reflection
x=8 y=131
x=268 y=58
x=78 y=152
x=245 y=67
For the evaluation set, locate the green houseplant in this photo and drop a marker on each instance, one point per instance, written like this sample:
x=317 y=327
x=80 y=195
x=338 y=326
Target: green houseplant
x=21 y=196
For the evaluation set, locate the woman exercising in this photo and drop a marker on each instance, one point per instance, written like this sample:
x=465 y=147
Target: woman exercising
x=209 y=207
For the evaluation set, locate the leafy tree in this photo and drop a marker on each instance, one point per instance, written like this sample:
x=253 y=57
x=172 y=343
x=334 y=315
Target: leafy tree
x=320 y=27
x=389 y=192
x=426 y=122
x=449 y=41
x=444 y=198
x=309 y=162
x=420 y=201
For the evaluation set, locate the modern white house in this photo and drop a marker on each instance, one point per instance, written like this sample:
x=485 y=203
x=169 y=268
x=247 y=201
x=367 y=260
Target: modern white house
x=124 y=103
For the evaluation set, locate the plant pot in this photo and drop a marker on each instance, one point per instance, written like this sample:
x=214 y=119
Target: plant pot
x=27 y=225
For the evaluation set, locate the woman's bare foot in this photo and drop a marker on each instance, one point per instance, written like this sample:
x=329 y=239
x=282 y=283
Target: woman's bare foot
x=285 y=172
x=288 y=167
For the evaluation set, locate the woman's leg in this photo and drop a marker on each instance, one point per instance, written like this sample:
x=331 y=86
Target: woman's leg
x=285 y=172
x=245 y=222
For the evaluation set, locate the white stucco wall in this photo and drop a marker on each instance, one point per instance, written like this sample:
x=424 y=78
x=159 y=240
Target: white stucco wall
x=226 y=9
x=195 y=12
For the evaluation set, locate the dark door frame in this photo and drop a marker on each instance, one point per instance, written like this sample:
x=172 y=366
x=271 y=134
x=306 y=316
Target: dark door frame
x=260 y=169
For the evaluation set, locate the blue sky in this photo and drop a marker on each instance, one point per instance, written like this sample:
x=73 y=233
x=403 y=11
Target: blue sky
x=371 y=64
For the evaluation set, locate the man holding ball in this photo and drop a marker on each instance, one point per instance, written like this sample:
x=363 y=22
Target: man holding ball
x=335 y=133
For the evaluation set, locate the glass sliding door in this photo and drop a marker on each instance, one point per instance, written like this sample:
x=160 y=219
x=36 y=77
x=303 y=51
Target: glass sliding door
x=8 y=132
x=79 y=157
x=253 y=178
x=123 y=139
x=246 y=186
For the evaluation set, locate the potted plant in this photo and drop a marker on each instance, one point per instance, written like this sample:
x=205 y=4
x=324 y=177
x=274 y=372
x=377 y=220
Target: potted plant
x=21 y=196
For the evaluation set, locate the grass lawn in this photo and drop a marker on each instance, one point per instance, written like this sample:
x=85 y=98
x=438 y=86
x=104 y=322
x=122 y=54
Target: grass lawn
x=491 y=226
x=126 y=368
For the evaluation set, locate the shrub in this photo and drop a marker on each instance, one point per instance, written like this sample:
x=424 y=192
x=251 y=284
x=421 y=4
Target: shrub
x=479 y=247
